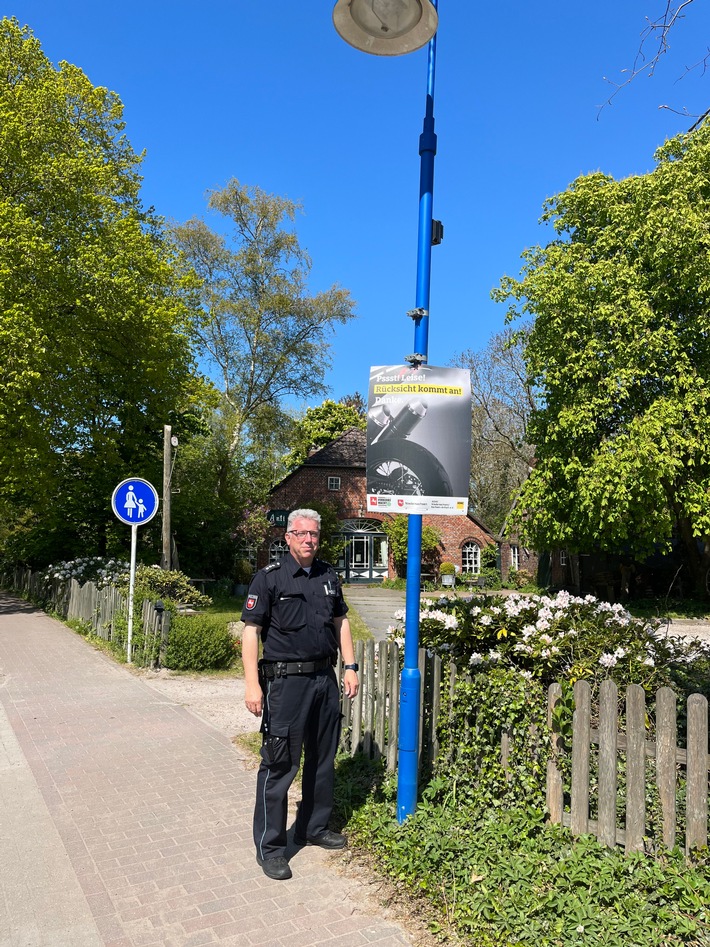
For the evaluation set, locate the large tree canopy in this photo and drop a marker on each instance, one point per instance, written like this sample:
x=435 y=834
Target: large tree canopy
x=94 y=313
x=620 y=351
x=266 y=337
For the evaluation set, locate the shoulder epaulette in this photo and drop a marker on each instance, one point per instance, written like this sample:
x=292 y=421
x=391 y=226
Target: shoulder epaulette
x=272 y=566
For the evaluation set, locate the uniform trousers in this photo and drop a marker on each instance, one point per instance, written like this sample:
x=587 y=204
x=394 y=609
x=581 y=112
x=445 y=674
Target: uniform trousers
x=301 y=713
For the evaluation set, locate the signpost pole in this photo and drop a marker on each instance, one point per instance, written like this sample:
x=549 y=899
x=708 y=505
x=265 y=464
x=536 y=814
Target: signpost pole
x=135 y=503
x=131 y=590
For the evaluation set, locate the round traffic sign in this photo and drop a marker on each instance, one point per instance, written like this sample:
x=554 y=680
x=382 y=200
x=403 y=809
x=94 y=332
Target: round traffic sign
x=135 y=501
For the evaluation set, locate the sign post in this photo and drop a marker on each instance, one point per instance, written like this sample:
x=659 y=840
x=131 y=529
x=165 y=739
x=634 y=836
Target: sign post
x=135 y=503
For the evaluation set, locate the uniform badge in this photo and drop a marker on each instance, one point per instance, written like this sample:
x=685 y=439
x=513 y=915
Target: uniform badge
x=251 y=601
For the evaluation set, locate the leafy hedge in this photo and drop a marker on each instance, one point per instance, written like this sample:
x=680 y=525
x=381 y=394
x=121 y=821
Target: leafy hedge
x=200 y=643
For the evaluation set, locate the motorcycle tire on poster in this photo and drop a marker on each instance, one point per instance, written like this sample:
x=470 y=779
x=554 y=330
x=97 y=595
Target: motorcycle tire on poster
x=405 y=469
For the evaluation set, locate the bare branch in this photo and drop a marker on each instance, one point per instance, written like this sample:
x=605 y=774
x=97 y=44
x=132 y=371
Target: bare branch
x=656 y=35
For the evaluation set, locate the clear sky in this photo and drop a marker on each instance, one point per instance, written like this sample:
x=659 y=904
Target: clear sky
x=267 y=92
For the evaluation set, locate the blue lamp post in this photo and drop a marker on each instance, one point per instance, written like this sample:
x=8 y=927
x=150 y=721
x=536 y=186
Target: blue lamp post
x=392 y=28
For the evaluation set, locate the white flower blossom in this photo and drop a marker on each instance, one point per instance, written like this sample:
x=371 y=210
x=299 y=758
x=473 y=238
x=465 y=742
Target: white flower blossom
x=475 y=659
x=608 y=660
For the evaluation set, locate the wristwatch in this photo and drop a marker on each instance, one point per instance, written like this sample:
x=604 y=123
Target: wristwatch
x=352 y=667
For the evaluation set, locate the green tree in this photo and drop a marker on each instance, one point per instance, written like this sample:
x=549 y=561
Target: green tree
x=221 y=504
x=397 y=529
x=264 y=335
x=620 y=352
x=94 y=311
x=321 y=425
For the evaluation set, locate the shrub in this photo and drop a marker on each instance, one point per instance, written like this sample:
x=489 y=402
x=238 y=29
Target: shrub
x=563 y=638
x=152 y=582
x=447 y=568
x=96 y=569
x=200 y=643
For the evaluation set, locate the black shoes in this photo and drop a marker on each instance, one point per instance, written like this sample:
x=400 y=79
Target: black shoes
x=327 y=839
x=276 y=868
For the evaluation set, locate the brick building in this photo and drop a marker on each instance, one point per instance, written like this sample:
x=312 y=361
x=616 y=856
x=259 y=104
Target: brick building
x=336 y=474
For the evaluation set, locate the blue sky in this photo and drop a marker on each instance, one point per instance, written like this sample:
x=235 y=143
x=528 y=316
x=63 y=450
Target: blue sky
x=267 y=92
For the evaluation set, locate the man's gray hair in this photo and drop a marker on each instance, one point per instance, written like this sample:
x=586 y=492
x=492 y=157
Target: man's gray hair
x=302 y=515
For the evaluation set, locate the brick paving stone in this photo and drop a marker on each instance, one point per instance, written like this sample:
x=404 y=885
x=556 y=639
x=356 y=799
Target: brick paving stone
x=125 y=820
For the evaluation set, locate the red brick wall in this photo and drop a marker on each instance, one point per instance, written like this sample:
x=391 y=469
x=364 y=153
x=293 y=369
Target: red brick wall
x=527 y=559
x=309 y=485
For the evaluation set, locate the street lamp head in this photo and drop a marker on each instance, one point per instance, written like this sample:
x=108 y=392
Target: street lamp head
x=386 y=27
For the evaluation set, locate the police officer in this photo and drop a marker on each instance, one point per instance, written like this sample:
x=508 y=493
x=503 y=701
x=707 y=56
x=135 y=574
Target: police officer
x=297 y=608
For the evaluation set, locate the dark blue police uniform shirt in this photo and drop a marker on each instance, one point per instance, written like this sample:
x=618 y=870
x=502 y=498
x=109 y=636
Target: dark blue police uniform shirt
x=296 y=610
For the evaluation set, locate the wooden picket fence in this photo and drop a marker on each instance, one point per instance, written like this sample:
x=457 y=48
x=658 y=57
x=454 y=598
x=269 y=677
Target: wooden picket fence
x=611 y=752
x=371 y=720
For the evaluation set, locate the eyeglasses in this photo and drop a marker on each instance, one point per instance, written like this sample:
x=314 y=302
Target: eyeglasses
x=302 y=533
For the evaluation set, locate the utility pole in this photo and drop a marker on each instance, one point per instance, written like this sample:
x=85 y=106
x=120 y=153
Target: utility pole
x=166 y=559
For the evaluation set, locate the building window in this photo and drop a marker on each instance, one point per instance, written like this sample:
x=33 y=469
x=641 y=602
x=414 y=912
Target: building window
x=471 y=558
x=249 y=554
x=277 y=550
x=514 y=558
x=333 y=483
x=563 y=557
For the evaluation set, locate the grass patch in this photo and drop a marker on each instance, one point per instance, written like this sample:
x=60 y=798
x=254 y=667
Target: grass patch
x=358 y=628
x=663 y=607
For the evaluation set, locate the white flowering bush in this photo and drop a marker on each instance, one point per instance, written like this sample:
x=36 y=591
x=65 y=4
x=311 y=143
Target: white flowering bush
x=96 y=569
x=558 y=637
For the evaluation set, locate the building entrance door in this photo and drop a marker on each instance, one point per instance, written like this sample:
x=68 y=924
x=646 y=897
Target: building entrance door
x=364 y=558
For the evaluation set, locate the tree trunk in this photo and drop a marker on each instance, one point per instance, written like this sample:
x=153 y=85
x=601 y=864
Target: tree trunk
x=696 y=556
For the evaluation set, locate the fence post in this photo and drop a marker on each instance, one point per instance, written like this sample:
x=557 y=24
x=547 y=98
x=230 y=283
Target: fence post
x=635 y=768
x=553 y=789
x=356 y=731
x=608 y=730
x=666 y=739
x=393 y=715
x=369 y=686
x=581 y=733
x=697 y=797
x=381 y=700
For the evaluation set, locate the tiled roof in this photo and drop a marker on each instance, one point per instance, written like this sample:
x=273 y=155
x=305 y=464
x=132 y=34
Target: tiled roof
x=348 y=450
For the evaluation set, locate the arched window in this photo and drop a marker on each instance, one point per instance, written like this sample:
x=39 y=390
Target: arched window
x=471 y=558
x=277 y=550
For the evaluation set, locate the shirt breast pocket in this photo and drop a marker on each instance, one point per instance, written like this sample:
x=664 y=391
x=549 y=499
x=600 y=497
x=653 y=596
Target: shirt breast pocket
x=291 y=612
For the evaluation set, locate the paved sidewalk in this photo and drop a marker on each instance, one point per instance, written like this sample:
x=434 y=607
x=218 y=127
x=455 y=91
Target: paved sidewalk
x=125 y=820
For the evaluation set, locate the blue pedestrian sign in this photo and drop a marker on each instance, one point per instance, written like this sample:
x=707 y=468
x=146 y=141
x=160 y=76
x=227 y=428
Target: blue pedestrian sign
x=135 y=501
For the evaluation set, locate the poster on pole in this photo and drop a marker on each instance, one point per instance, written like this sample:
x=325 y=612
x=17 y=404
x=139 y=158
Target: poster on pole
x=418 y=440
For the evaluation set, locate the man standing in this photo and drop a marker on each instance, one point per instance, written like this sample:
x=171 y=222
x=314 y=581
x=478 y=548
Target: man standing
x=297 y=608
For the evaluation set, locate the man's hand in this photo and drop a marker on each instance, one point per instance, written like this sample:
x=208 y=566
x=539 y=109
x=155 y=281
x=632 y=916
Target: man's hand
x=351 y=684
x=253 y=698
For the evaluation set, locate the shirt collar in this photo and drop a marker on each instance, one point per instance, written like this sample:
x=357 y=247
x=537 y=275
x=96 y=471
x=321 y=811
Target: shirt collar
x=296 y=569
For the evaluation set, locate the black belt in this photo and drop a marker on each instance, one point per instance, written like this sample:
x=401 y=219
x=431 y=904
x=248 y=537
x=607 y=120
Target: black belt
x=272 y=669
